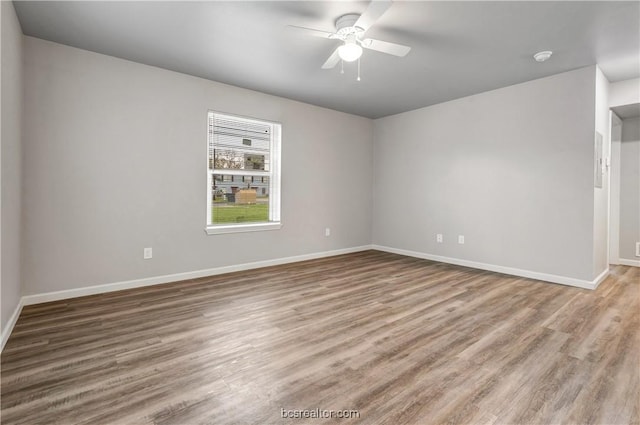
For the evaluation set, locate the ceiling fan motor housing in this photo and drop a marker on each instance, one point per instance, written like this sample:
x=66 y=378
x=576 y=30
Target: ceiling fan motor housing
x=345 y=25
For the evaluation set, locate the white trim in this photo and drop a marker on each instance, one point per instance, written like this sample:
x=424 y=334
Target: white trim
x=6 y=332
x=239 y=172
x=632 y=263
x=600 y=278
x=563 y=280
x=238 y=228
x=156 y=280
x=273 y=173
x=614 y=188
x=137 y=283
x=275 y=178
x=208 y=198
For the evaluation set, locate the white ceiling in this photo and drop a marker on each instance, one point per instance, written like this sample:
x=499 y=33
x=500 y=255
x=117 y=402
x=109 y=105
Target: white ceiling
x=458 y=48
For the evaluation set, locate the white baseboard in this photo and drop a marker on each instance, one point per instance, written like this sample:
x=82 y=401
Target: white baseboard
x=632 y=263
x=9 y=326
x=155 y=280
x=563 y=280
x=601 y=277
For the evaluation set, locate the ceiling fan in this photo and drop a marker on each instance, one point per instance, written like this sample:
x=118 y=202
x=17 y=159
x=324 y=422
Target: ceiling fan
x=350 y=30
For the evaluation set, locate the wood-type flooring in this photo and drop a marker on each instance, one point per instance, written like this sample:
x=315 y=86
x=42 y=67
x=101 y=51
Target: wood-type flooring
x=399 y=340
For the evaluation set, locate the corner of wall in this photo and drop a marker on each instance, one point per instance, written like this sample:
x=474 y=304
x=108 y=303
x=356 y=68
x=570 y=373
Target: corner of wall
x=601 y=194
x=2 y=326
x=11 y=170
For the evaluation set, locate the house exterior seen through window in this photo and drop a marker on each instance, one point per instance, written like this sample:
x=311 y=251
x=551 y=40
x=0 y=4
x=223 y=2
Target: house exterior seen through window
x=243 y=174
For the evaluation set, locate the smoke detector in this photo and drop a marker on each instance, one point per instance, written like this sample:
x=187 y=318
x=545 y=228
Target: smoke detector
x=542 y=56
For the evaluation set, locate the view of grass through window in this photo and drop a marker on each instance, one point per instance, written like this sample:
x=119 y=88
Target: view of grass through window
x=231 y=213
x=240 y=199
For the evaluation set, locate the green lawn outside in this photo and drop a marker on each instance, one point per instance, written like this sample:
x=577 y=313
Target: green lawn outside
x=234 y=213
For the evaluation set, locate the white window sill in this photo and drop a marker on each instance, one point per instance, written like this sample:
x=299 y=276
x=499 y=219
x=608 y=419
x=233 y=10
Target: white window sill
x=238 y=228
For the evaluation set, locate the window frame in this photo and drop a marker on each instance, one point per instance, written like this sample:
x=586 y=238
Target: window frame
x=273 y=174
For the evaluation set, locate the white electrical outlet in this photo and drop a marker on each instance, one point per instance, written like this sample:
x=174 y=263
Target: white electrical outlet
x=461 y=239
x=637 y=249
x=148 y=253
x=439 y=238
x=327 y=231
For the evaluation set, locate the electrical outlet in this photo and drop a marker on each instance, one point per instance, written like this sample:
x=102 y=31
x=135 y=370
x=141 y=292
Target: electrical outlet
x=637 y=249
x=327 y=231
x=148 y=253
x=439 y=238
x=461 y=239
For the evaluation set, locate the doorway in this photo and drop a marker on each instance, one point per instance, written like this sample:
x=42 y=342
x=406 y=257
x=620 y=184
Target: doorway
x=624 y=190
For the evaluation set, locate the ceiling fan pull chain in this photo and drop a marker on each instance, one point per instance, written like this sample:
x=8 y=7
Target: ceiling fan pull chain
x=358 y=69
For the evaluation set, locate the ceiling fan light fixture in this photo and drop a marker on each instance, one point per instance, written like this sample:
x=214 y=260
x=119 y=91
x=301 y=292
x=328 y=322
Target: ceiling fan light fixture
x=349 y=51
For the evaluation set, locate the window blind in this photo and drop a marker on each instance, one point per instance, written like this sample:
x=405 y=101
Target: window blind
x=241 y=144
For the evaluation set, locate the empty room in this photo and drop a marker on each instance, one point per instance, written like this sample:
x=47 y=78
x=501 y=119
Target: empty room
x=331 y=212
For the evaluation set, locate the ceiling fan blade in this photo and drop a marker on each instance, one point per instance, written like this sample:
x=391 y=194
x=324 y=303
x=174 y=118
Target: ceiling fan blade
x=310 y=31
x=386 y=47
x=375 y=10
x=332 y=61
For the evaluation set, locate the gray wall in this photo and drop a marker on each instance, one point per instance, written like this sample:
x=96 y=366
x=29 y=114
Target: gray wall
x=511 y=169
x=117 y=162
x=11 y=153
x=624 y=92
x=630 y=188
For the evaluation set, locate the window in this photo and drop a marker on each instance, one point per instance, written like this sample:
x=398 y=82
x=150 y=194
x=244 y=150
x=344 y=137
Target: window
x=244 y=174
